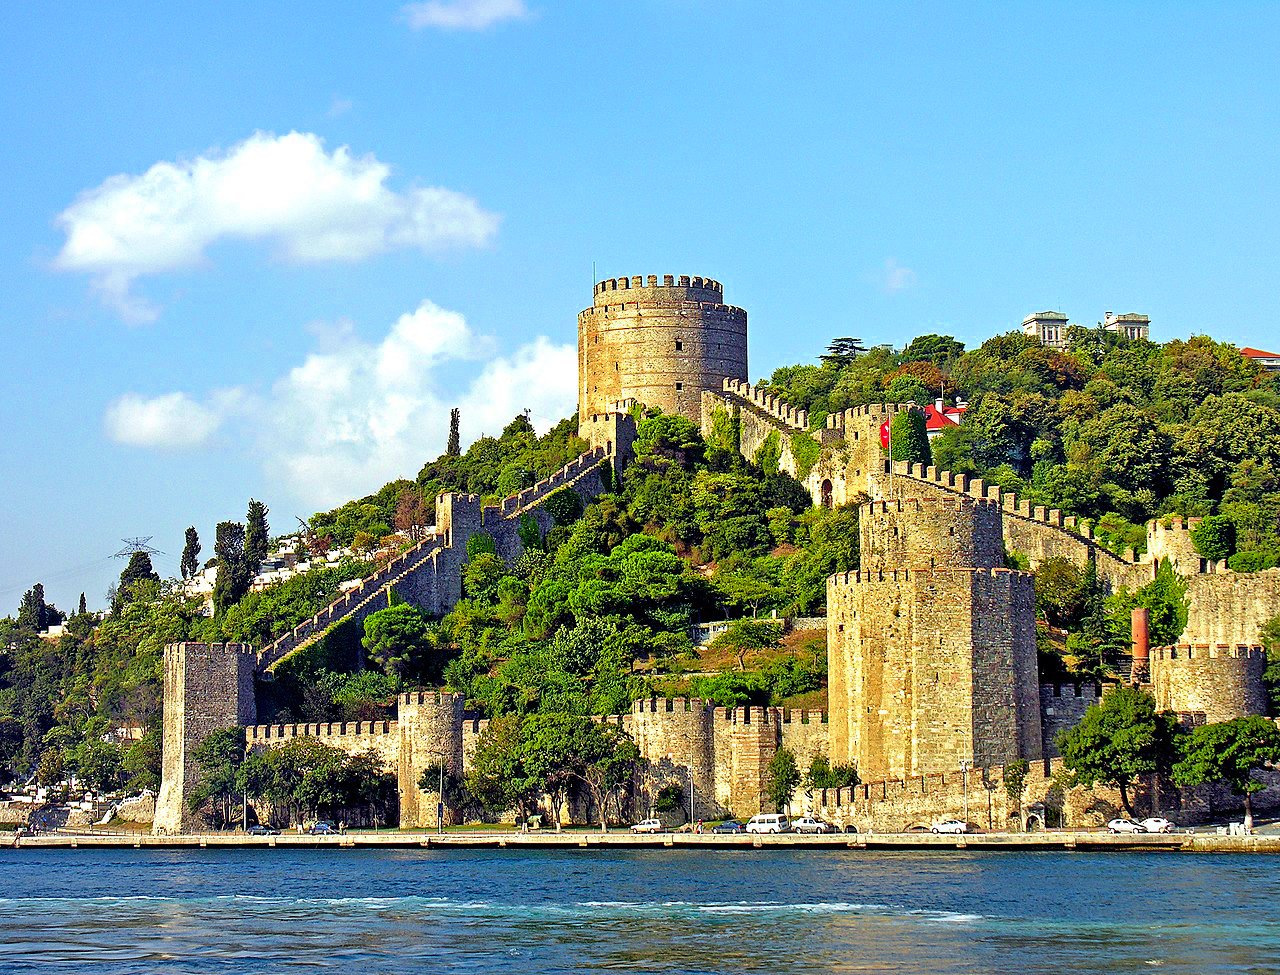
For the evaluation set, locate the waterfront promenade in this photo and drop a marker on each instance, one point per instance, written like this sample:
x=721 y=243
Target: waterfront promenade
x=580 y=839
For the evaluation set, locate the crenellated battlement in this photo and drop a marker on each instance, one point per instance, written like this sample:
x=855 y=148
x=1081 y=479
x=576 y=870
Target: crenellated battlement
x=271 y=733
x=636 y=282
x=567 y=475
x=429 y=696
x=927 y=505
x=769 y=403
x=1202 y=651
x=669 y=705
x=1082 y=691
x=860 y=577
x=857 y=415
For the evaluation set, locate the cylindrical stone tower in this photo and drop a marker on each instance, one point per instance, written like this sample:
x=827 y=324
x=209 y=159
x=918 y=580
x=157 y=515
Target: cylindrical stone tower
x=924 y=533
x=430 y=726
x=659 y=343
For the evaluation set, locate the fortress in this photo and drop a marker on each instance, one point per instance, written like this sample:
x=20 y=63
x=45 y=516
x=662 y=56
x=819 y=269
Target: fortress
x=933 y=675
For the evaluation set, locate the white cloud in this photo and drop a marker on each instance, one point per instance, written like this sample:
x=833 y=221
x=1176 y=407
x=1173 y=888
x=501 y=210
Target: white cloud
x=173 y=420
x=311 y=205
x=339 y=107
x=462 y=14
x=355 y=414
x=895 y=277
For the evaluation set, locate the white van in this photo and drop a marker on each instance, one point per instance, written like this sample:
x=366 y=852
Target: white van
x=769 y=823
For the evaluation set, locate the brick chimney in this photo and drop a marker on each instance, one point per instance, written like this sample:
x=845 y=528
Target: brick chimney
x=1138 y=624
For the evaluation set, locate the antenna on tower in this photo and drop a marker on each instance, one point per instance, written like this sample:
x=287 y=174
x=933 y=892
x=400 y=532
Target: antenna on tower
x=133 y=545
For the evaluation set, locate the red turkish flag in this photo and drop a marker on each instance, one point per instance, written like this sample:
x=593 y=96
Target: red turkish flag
x=884 y=435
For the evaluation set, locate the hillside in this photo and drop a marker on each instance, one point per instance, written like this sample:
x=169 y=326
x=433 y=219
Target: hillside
x=598 y=613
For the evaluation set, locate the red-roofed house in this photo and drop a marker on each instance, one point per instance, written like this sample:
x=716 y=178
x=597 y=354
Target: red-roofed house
x=937 y=417
x=1269 y=361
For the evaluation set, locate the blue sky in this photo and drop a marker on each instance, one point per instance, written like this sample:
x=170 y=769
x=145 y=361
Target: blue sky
x=260 y=249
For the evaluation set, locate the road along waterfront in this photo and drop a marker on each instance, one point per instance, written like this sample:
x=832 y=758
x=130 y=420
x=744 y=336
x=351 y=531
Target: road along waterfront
x=585 y=839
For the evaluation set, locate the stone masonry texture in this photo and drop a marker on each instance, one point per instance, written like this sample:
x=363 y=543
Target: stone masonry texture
x=661 y=343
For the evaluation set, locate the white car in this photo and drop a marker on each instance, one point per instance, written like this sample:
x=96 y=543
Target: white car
x=1157 y=824
x=647 y=826
x=808 y=824
x=769 y=823
x=949 y=826
x=1125 y=826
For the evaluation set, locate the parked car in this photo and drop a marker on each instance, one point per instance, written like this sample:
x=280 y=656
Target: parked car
x=260 y=830
x=323 y=829
x=808 y=824
x=1125 y=826
x=728 y=826
x=647 y=826
x=1157 y=824
x=769 y=823
x=949 y=826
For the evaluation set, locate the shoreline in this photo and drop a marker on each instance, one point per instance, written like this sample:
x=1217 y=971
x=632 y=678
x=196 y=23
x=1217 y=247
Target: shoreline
x=940 y=843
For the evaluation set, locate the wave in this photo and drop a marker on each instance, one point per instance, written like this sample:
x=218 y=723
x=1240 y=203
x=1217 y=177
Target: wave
x=601 y=909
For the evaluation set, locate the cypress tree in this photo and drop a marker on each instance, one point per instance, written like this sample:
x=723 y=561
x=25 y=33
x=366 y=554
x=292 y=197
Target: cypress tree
x=908 y=438
x=455 y=440
x=190 y=563
x=84 y=606
x=255 y=536
x=33 y=612
x=138 y=570
x=233 y=575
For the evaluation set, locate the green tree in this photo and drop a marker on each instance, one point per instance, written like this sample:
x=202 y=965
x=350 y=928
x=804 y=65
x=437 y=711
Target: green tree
x=1215 y=538
x=1230 y=752
x=218 y=757
x=256 y=536
x=454 y=447
x=908 y=438
x=138 y=570
x=83 y=607
x=529 y=533
x=1118 y=741
x=1015 y=784
x=481 y=543
x=190 y=563
x=823 y=775
x=1269 y=636
x=564 y=506
x=747 y=636
x=51 y=768
x=395 y=639
x=99 y=764
x=33 y=612
x=781 y=778
x=234 y=576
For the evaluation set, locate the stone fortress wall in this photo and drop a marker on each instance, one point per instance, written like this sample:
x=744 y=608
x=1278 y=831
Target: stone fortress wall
x=207 y=687
x=1208 y=684
x=661 y=343
x=1225 y=607
x=930 y=666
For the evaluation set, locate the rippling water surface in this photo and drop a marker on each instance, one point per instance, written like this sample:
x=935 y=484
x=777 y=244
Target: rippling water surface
x=368 y=912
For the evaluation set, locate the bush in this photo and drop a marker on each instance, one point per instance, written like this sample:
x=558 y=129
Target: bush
x=1215 y=538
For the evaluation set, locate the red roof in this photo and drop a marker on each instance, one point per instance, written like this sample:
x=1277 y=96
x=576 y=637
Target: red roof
x=1259 y=354
x=948 y=416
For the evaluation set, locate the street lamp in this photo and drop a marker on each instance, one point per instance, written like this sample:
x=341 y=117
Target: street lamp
x=439 y=795
x=964 y=772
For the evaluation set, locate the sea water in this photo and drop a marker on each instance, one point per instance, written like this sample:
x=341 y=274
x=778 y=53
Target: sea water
x=677 y=911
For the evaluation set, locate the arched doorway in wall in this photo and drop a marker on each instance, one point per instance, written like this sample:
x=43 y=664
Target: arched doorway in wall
x=827 y=500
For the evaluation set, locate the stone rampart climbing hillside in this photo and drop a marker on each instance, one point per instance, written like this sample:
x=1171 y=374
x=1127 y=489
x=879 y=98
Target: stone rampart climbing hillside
x=429 y=575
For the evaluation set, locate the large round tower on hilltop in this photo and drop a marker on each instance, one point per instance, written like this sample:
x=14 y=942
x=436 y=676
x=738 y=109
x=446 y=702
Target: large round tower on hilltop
x=659 y=343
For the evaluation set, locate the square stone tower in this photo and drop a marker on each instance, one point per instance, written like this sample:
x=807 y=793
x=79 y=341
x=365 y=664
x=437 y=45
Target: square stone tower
x=207 y=687
x=933 y=658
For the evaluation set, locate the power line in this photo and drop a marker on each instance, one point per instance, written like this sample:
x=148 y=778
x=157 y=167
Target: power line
x=134 y=545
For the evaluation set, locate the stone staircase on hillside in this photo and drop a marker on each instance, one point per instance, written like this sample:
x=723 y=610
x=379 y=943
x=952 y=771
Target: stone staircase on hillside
x=441 y=554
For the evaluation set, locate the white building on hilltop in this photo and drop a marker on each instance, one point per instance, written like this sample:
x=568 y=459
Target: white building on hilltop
x=1050 y=327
